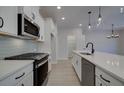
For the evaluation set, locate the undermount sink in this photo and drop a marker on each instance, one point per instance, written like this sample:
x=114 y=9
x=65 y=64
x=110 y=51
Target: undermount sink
x=85 y=53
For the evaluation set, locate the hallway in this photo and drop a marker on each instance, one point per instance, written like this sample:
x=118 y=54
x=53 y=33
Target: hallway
x=63 y=74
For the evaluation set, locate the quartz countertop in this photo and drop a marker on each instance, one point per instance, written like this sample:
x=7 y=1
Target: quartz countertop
x=110 y=63
x=9 y=67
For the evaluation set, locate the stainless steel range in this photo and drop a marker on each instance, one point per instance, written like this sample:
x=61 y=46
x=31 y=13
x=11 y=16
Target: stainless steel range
x=40 y=65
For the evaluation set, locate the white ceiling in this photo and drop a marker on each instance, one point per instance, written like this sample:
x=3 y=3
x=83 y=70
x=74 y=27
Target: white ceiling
x=79 y=14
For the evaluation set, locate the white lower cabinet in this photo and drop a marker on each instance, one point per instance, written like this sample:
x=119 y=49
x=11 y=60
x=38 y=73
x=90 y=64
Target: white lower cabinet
x=106 y=79
x=25 y=75
x=98 y=82
x=101 y=77
x=27 y=81
x=77 y=65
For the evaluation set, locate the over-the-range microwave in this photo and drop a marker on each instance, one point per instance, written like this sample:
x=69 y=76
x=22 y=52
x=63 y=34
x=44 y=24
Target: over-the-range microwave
x=27 y=27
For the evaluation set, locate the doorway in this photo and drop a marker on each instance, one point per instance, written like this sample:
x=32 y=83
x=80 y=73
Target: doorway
x=53 y=49
x=71 y=44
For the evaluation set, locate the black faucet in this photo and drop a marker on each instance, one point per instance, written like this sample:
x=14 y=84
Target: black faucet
x=92 y=47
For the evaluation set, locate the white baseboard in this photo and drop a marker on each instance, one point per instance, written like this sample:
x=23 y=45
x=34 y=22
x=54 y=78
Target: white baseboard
x=55 y=62
x=62 y=59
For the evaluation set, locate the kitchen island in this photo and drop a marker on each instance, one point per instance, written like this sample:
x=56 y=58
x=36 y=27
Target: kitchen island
x=111 y=65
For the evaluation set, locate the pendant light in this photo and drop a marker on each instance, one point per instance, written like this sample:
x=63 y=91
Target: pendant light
x=89 y=25
x=100 y=16
x=113 y=35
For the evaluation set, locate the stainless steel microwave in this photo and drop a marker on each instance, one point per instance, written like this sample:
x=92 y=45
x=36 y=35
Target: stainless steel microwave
x=27 y=27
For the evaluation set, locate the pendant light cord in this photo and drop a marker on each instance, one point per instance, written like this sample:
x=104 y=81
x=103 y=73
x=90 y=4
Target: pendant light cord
x=99 y=11
x=89 y=16
x=112 y=29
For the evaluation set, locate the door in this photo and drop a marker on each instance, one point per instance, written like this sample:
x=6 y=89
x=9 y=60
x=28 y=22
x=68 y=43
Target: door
x=71 y=44
x=53 y=48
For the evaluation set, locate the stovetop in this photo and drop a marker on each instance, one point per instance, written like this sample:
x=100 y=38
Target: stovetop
x=27 y=56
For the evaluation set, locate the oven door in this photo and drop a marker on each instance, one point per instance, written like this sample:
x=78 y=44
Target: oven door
x=40 y=73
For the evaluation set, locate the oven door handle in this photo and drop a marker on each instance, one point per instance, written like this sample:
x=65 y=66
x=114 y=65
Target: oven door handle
x=38 y=65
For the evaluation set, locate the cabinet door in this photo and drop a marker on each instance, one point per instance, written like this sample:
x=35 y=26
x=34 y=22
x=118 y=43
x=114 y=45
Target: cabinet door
x=74 y=60
x=27 y=81
x=107 y=79
x=78 y=65
x=28 y=11
x=88 y=73
x=18 y=76
x=9 y=15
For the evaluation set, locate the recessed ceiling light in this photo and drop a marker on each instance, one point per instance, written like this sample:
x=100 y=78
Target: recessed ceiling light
x=80 y=24
x=63 y=18
x=59 y=7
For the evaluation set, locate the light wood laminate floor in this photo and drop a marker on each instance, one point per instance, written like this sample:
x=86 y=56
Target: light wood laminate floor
x=63 y=74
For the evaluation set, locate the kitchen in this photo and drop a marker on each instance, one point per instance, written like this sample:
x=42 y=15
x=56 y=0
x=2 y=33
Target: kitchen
x=50 y=46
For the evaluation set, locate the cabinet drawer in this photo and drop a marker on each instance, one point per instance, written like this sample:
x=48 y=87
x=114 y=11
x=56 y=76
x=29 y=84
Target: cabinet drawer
x=27 y=81
x=107 y=79
x=98 y=82
x=16 y=77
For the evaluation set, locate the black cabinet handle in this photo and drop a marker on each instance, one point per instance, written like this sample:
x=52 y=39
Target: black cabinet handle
x=22 y=84
x=20 y=76
x=2 y=22
x=104 y=79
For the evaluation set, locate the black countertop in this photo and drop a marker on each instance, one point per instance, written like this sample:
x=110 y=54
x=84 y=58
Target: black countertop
x=28 y=56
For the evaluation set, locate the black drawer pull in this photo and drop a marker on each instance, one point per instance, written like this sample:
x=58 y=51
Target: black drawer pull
x=20 y=76
x=104 y=79
x=22 y=84
x=2 y=22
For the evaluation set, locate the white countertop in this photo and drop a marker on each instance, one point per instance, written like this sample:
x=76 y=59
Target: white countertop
x=8 y=67
x=111 y=63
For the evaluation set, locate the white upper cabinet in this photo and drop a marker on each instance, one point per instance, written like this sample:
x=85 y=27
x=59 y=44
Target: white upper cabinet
x=9 y=15
x=27 y=11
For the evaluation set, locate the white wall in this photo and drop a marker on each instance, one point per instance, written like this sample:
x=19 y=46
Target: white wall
x=12 y=46
x=71 y=44
x=45 y=46
x=49 y=27
x=101 y=43
x=121 y=42
x=62 y=41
